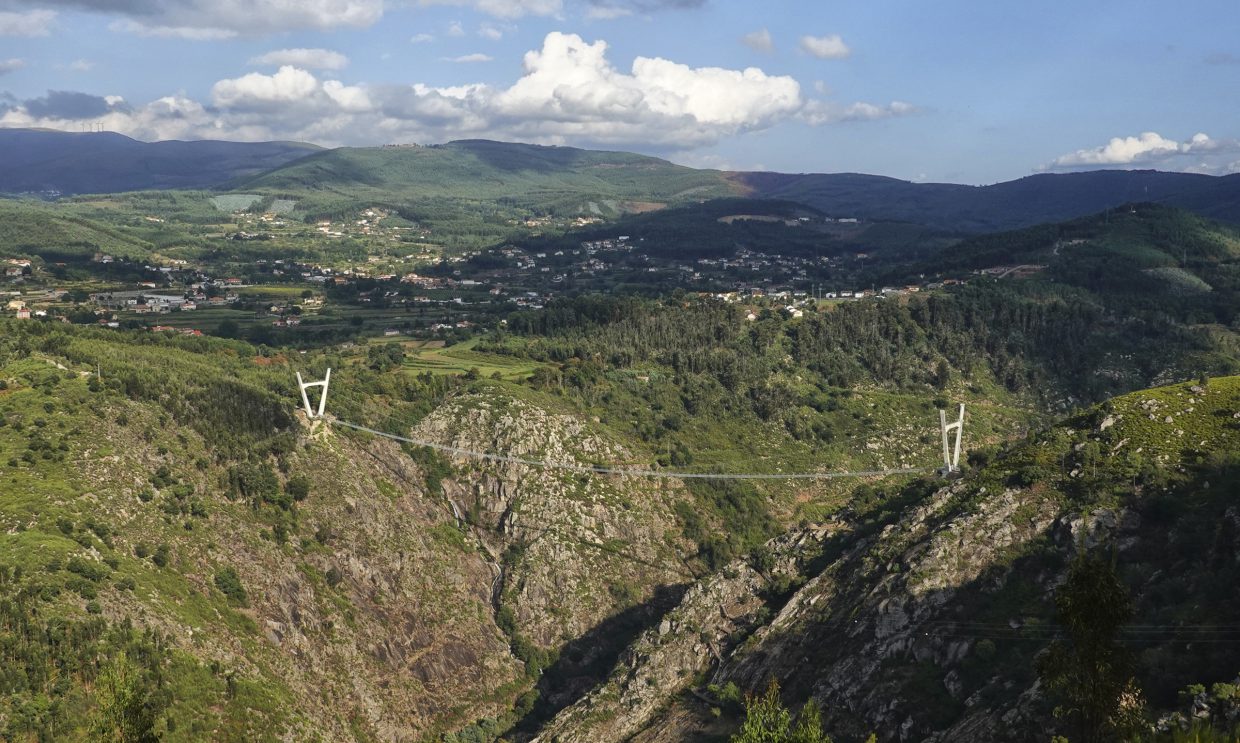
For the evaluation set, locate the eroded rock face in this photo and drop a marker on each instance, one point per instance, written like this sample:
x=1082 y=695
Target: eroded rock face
x=883 y=609
x=713 y=617
x=854 y=635
x=580 y=547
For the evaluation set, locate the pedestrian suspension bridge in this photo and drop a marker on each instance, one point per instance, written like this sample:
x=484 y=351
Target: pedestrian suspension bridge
x=951 y=451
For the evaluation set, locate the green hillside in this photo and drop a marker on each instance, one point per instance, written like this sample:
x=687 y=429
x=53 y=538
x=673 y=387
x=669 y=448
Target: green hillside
x=32 y=229
x=546 y=179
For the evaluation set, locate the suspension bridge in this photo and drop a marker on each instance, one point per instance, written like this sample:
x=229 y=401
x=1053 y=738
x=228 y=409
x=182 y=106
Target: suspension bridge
x=951 y=451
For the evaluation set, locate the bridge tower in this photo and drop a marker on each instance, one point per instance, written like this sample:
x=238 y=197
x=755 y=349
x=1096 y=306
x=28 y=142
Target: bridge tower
x=314 y=413
x=951 y=452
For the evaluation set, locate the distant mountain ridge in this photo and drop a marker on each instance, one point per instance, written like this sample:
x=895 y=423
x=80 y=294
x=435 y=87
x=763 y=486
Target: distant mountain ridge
x=1035 y=199
x=42 y=160
x=574 y=180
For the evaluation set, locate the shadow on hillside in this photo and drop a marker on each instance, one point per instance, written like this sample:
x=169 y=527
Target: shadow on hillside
x=519 y=157
x=586 y=661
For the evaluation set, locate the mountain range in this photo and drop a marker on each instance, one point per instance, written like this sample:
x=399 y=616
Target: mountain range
x=572 y=179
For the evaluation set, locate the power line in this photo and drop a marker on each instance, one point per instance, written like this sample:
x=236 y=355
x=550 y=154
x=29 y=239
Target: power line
x=633 y=472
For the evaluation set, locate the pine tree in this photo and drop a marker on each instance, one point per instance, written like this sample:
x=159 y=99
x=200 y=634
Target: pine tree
x=769 y=721
x=1091 y=670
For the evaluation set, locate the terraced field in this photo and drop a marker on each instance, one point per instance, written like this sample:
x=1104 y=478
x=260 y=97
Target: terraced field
x=434 y=357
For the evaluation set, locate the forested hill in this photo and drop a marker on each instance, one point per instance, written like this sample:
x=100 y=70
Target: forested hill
x=1129 y=255
x=1046 y=197
x=586 y=181
x=41 y=160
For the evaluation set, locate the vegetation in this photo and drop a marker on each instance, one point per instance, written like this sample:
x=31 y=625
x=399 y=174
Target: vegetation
x=1092 y=670
x=768 y=721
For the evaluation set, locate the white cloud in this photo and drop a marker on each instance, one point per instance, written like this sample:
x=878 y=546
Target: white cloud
x=81 y=65
x=467 y=58
x=825 y=47
x=30 y=23
x=568 y=93
x=456 y=29
x=288 y=85
x=421 y=38
x=759 y=40
x=11 y=65
x=1124 y=150
x=309 y=59
x=821 y=112
x=570 y=87
x=490 y=32
x=1199 y=154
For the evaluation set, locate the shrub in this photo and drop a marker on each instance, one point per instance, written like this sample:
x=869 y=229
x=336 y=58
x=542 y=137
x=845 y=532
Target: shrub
x=229 y=583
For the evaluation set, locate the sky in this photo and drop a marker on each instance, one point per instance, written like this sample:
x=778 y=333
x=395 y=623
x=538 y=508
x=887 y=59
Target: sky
x=945 y=91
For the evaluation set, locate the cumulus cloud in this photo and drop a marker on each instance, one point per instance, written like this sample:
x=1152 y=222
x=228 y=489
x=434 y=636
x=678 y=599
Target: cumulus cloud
x=825 y=47
x=288 y=85
x=1125 y=150
x=490 y=32
x=421 y=38
x=467 y=58
x=11 y=65
x=571 y=88
x=30 y=23
x=81 y=65
x=569 y=92
x=1200 y=153
x=759 y=40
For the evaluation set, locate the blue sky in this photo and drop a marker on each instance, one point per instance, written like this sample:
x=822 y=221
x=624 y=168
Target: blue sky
x=945 y=91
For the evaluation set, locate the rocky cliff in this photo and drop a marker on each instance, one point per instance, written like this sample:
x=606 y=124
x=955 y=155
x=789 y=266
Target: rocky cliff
x=922 y=612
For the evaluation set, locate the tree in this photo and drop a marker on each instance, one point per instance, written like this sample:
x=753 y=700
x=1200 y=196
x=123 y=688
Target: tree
x=1091 y=670
x=769 y=721
x=127 y=712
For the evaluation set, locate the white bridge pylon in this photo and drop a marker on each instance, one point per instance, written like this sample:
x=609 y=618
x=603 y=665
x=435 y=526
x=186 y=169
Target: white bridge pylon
x=951 y=453
x=312 y=413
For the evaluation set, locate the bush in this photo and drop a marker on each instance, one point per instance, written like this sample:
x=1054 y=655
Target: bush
x=298 y=487
x=229 y=583
x=162 y=553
